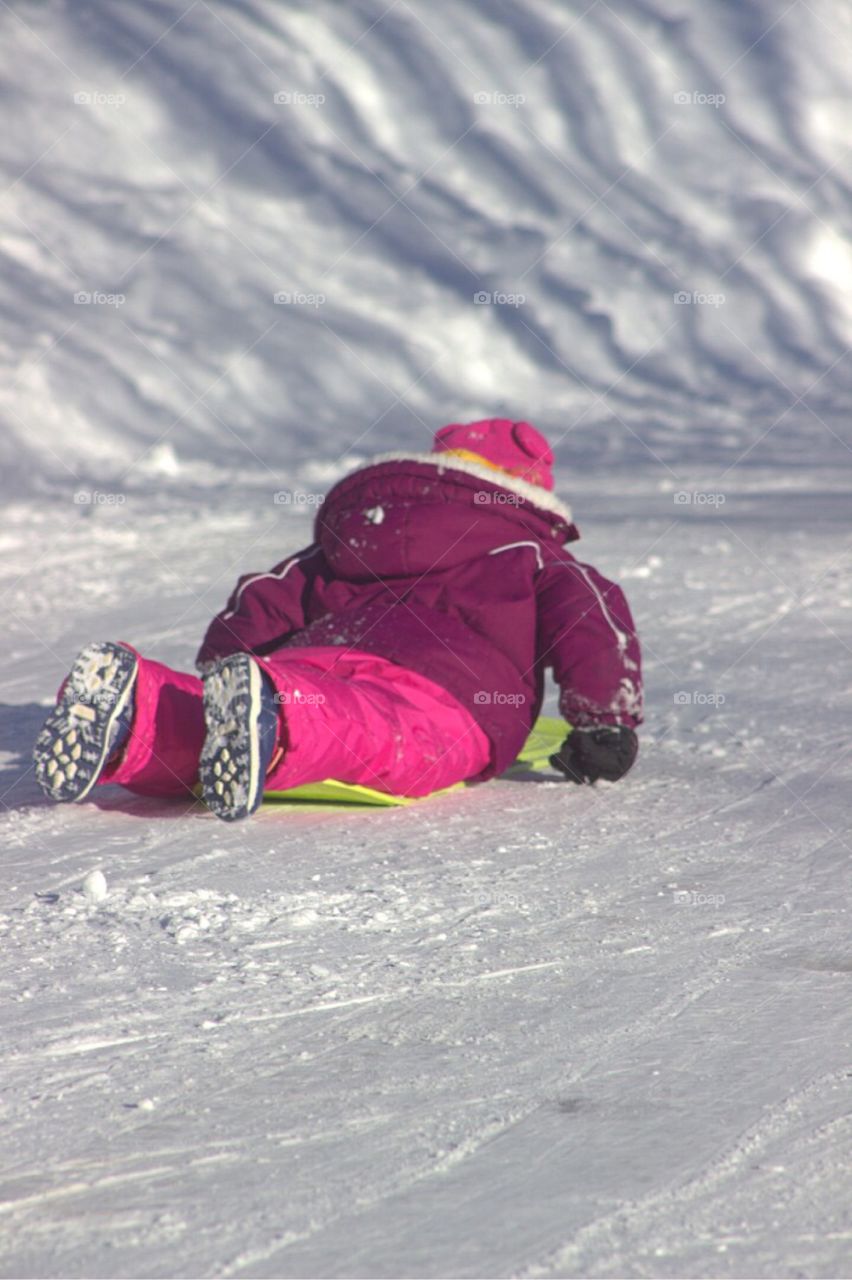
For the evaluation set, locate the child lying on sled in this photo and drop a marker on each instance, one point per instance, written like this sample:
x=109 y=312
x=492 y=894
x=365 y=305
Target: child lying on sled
x=404 y=650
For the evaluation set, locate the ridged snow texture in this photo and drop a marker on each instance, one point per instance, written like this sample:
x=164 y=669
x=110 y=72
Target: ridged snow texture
x=77 y=737
x=231 y=776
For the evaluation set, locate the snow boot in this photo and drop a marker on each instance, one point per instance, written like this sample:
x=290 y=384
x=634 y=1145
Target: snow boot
x=90 y=722
x=241 y=712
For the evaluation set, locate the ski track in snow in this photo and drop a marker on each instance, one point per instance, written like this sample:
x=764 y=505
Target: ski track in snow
x=528 y=1030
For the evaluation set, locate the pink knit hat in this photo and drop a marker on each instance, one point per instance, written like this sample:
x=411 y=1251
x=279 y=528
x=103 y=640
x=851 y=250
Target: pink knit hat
x=515 y=447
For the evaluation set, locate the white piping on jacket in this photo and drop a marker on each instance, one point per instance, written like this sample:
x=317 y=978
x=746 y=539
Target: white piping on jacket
x=620 y=636
x=509 y=545
x=302 y=555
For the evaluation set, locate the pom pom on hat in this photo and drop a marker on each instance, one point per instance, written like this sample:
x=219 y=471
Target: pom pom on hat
x=515 y=447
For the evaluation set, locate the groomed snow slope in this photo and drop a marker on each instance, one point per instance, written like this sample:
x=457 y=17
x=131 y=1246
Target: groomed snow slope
x=526 y=1030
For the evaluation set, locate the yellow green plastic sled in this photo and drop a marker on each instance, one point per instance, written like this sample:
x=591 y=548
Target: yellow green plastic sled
x=547 y=735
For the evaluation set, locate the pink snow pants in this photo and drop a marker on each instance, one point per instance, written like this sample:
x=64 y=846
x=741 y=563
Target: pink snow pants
x=344 y=714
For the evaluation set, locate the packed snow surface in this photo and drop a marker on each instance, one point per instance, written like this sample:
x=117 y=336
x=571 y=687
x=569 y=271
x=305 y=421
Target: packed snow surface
x=526 y=1029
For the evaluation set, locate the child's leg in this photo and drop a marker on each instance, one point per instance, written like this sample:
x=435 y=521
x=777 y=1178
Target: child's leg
x=362 y=719
x=166 y=735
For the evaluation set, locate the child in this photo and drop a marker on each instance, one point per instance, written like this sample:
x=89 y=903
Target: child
x=405 y=649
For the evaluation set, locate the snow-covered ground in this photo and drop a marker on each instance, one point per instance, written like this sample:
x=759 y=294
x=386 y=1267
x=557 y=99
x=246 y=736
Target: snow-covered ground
x=526 y=1030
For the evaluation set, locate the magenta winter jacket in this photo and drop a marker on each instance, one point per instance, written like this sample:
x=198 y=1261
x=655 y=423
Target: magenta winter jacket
x=460 y=573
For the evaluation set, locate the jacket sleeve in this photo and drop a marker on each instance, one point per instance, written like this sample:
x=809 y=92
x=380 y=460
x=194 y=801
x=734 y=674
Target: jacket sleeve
x=263 y=609
x=586 y=634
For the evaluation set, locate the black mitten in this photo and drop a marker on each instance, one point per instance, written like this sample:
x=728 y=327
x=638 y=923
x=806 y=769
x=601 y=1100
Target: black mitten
x=607 y=752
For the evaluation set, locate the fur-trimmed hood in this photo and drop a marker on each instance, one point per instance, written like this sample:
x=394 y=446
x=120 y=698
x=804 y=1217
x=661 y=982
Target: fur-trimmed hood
x=404 y=514
x=449 y=462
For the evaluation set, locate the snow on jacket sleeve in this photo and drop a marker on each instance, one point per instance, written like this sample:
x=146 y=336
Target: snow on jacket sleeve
x=264 y=608
x=586 y=634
